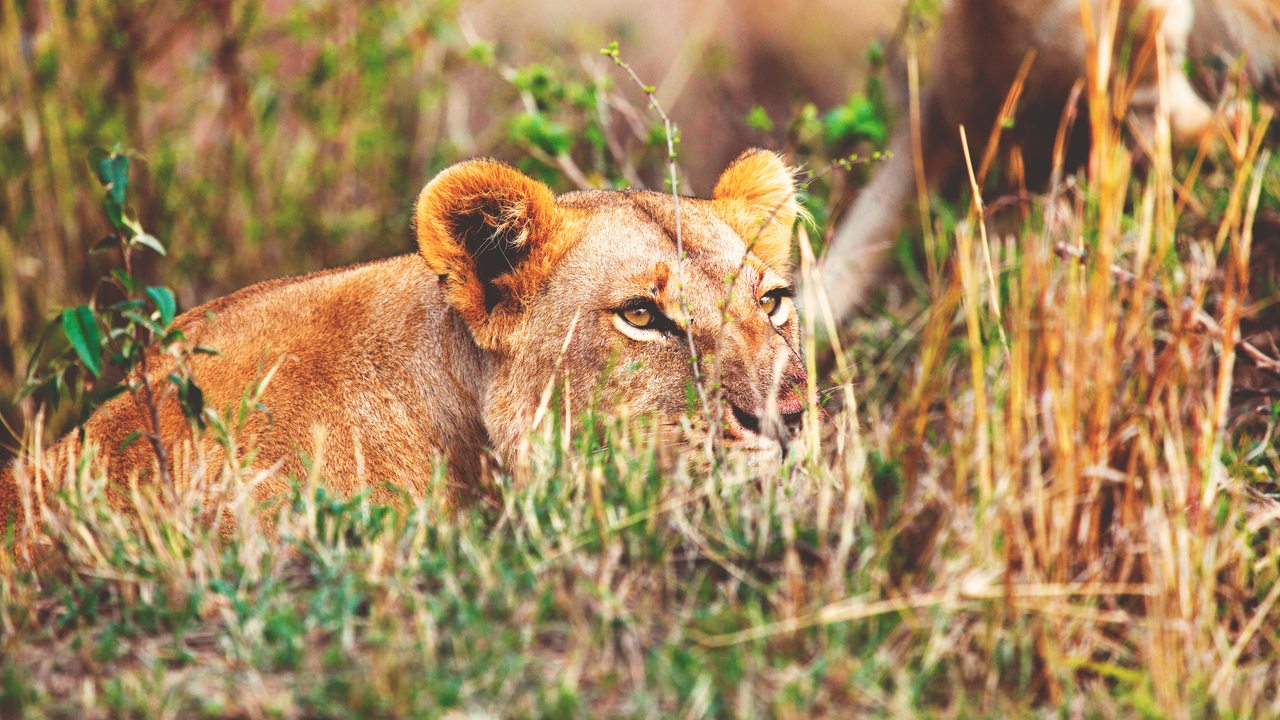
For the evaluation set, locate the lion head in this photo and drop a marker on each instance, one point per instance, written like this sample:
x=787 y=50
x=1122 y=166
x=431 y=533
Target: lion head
x=635 y=297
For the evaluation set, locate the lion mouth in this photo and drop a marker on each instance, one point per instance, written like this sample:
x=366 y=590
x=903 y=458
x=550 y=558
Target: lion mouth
x=749 y=424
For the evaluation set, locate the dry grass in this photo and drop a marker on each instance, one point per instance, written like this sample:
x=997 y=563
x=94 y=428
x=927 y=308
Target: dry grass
x=1041 y=494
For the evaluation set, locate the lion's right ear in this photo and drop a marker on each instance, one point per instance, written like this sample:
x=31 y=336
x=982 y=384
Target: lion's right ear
x=756 y=196
x=487 y=231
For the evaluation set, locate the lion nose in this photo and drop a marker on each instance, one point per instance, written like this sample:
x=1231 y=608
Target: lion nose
x=791 y=410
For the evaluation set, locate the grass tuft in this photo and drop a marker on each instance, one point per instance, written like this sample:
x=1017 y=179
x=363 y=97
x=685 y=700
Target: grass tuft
x=1033 y=482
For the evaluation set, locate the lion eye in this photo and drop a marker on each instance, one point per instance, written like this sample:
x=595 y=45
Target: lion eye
x=774 y=305
x=641 y=317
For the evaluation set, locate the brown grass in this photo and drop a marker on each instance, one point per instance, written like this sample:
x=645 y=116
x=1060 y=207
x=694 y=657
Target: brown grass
x=1041 y=491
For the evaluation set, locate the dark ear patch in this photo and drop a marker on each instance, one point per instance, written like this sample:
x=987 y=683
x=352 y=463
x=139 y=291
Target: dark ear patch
x=492 y=235
x=496 y=248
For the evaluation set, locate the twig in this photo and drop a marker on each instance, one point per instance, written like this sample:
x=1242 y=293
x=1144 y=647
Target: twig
x=153 y=415
x=848 y=162
x=148 y=396
x=669 y=130
x=604 y=103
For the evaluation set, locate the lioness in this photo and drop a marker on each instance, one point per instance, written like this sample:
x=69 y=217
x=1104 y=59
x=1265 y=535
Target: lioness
x=442 y=354
x=980 y=48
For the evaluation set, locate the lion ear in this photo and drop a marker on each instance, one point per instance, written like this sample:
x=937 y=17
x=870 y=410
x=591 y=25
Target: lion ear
x=487 y=231
x=756 y=196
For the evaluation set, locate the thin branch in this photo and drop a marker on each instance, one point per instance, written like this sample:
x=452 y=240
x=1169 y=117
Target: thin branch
x=669 y=130
x=148 y=399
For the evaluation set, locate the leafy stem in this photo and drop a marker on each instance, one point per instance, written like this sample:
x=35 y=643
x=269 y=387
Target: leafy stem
x=671 y=134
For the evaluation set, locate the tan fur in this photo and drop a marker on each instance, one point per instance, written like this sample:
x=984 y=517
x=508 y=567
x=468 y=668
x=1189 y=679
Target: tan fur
x=979 y=50
x=444 y=353
x=759 y=208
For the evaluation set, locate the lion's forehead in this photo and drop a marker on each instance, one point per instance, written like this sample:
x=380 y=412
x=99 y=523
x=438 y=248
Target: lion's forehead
x=634 y=239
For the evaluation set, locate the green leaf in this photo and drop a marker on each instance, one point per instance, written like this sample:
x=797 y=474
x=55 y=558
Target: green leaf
x=758 y=119
x=537 y=130
x=59 y=384
x=191 y=398
x=104 y=244
x=81 y=329
x=875 y=53
x=484 y=53
x=165 y=303
x=171 y=336
x=147 y=240
x=96 y=158
x=122 y=307
x=144 y=321
x=856 y=120
x=123 y=279
x=113 y=173
x=115 y=211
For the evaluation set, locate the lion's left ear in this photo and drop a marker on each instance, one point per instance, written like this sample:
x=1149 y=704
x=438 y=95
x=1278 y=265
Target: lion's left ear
x=490 y=234
x=756 y=196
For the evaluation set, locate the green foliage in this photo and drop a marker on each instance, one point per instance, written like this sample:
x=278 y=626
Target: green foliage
x=81 y=328
x=109 y=341
x=112 y=341
x=568 y=130
x=542 y=134
x=758 y=119
x=857 y=120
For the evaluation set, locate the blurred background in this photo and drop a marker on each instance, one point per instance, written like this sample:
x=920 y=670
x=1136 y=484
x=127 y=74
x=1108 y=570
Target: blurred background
x=270 y=137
